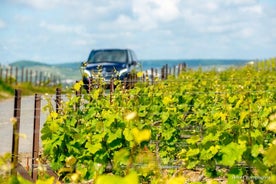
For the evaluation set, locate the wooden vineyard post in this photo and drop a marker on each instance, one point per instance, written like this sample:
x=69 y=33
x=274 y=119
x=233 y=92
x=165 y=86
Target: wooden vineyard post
x=40 y=78
x=152 y=76
x=58 y=100
x=10 y=79
x=147 y=77
x=1 y=72
x=163 y=73
x=166 y=71
x=179 y=69
x=36 y=78
x=16 y=75
x=22 y=75
x=125 y=84
x=15 y=135
x=27 y=77
x=7 y=75
x=78 y=92
x=31 y=76
x=35 y=153
x=184 y=67
x=111 y=89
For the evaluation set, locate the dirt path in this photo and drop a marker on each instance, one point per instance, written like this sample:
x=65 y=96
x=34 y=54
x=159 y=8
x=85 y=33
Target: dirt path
x=26 y=124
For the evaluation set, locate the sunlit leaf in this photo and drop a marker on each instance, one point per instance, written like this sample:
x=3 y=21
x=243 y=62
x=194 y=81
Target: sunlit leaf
x=70 y=161
x=270 y=156
x=140 y=74
x=232 y=153
x=165 y=116
x=113 y=179
x=256 y=150
x=141 y=135
x=50 y=180
x=272 y=126
x=194 y=139
x=130 y=116
x=192 y=152
x=93 y=148
x=167 y=100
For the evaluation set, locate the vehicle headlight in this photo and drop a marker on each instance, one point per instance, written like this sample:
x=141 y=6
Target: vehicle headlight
x=86 y=73
x=122 y=71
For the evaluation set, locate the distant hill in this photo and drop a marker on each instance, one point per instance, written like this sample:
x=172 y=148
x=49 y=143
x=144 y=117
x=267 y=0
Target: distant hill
x=66 y=71
x=71 y=71
x=192 y=63
x=73 y=65
x=27 y=63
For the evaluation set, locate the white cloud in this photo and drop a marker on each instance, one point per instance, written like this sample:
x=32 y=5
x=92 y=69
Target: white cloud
x=218 y=28
x=125 y=23
x=247 y=32
x=240 y=2
x=79 y=10
x=45 y=4
x=254 y=9
x=61 y=28
x=166 y=10
x=23 y=19
x=223 y=17
x=211 y=6
x=40 y=4
x=152 y=27
x=150 y=13
x=2 y=24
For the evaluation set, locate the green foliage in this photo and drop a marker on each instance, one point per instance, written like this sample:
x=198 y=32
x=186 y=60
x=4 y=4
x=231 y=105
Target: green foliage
x=232 y=113
x=30 y=89
x=4 y=167
x=5 y=90
x=201 y=119
x=111 y=179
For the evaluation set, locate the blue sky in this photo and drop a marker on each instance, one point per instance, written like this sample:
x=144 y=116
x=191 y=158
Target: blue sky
x=66 y=30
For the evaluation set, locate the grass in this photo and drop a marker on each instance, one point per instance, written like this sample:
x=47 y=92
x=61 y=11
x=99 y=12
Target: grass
x=7 y=90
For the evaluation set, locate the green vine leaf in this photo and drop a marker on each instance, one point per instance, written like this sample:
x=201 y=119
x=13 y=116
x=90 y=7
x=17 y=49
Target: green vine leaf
x=232 y=153
x=192 y=152
x=93 y=148
x=202 y=118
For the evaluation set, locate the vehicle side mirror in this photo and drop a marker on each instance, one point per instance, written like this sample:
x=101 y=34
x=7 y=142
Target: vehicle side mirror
x=134 y=63
x=84 y=64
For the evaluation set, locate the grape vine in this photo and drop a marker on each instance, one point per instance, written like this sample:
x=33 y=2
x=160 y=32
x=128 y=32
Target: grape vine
x=223 y=122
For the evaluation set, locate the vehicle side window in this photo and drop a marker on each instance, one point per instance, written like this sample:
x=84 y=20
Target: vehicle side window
x=134 y=58
x=90 y=56
x=129 y=57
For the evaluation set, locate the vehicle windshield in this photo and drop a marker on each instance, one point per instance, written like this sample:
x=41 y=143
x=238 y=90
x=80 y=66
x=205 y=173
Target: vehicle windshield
x=100 y=56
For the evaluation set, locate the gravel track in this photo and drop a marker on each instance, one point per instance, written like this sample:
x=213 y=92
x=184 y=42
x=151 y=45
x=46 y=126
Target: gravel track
x=26 y=123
